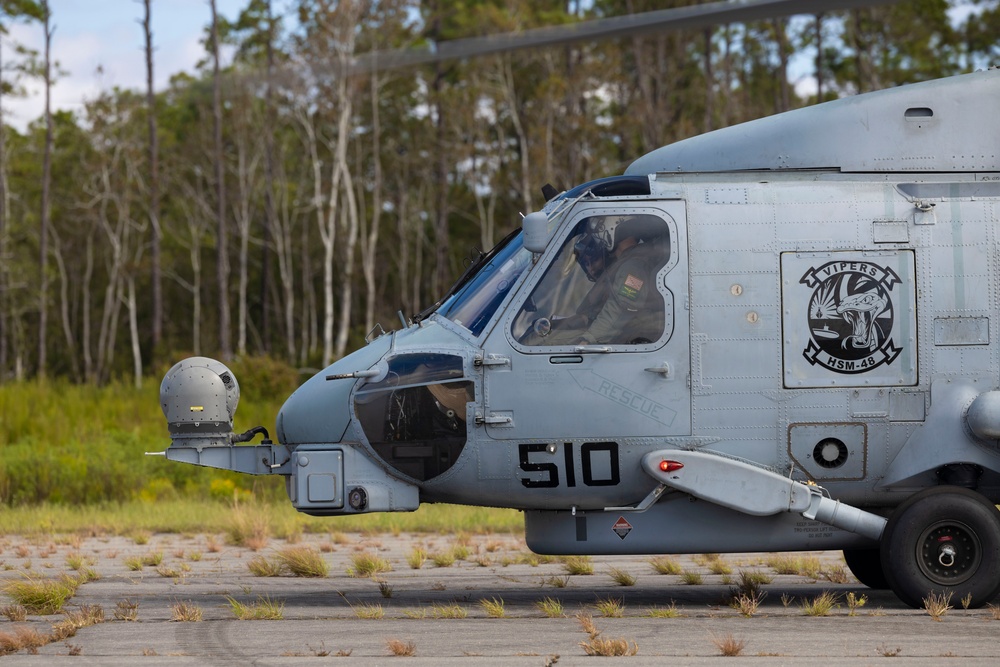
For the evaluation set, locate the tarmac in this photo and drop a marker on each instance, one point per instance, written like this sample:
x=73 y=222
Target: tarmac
x=485 y=608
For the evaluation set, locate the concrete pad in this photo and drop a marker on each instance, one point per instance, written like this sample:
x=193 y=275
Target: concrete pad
x=323 y=617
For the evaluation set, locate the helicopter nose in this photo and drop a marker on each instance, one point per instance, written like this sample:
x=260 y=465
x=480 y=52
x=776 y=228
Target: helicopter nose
x=318 y=412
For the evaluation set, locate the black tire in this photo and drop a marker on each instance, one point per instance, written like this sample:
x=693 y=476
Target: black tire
x=866 y=566
x=944 y=540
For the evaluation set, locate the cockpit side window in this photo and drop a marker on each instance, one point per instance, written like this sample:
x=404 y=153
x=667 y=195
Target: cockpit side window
x=601 y=287
x=415 y=417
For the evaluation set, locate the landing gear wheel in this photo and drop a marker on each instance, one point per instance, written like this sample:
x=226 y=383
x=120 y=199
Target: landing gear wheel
x=866 y=566
x=944 y=540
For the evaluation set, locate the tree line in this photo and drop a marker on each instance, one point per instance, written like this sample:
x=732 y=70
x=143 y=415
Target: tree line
x=280 y=204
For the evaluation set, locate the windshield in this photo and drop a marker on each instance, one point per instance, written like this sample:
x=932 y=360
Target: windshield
x=472 y=305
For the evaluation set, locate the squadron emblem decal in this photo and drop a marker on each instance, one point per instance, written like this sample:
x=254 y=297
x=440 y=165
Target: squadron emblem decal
x=851 y=315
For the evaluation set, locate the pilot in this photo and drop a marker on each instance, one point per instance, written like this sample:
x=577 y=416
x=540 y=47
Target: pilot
x=623 y=270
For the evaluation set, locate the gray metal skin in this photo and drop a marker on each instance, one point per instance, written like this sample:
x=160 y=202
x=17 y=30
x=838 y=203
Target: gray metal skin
x=828 y=305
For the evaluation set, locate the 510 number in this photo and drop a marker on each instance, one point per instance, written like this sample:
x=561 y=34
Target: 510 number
x=606 y=452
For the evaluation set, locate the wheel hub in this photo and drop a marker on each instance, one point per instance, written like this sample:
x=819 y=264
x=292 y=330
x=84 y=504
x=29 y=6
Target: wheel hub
x=949 y=553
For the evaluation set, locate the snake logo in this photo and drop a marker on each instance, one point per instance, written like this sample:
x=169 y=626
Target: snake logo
x=850 y=316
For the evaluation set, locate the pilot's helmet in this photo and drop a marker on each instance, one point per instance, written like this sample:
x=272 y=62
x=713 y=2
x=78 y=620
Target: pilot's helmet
x=593 y=249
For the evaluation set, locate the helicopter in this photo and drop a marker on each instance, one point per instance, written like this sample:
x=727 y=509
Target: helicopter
x=770 y=337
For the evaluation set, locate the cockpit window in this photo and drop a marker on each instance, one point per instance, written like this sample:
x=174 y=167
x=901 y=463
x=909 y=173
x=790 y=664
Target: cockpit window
x=477 y=300
x=415 y=417
x=601 y=287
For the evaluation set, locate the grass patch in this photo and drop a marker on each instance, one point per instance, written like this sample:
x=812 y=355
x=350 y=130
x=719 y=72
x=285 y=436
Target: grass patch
x=264 y=567
x=618 y=646
x=452 y=610
x=729 y=645
x=581 y=565
x=127 y=610
x=212 y=516
x=665 y=565
x=401 y=648
x=611 y=607
x=821 y=605
x=185 y=612
x=416 y=558
x=41 y=596
x=664 y=612
x=494 y=607
x=621 y=577
x=366 y=565
x=262 y=609
x=369 y=611
x=937 y=605
x=303 y=561
x=691 y=578
x=551 y=607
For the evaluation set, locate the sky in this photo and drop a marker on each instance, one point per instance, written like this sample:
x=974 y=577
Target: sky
x=100 y=44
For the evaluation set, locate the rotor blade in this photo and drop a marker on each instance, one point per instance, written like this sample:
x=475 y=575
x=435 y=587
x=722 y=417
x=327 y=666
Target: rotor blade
x=695 y=16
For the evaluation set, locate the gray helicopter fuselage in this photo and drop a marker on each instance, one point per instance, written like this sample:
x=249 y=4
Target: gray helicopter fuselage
x=823 y=314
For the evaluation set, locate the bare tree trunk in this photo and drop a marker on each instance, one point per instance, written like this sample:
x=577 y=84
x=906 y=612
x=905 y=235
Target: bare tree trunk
x=64 y=301
x=709 y=83
x=269 y=212
x=781 y=35
x=88 y=273
x=370 y=238
x=156 y=233
x=222 y=252
x=284 y=248
x=133 y=327
x=43 y=241
x=3 y=234
x=510 y=93
x=819 y=58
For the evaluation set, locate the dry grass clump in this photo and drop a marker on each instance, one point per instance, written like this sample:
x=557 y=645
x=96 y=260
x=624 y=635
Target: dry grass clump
x=551 y=607
x=14 y=613
x=263 y=609
x=22 y=638
x=595 y=645
x=746 y=604
x=691 y=578
x=452 y=610
x=665 y=565
x=621 y=577
x=937 y=605
x=368 y=611
x=126 y=610
x=443 y=558
x=994 y=611
x=303 y=561
x=249 y=525
x=85 y=616
x=807 y=566
x=416 y=558
x=42 y=596
x=578 y=565
x=494 y=607
x=185 y=612
x=821 y=605
x=719 y=566
x=368 y=564
x=400 y=648
x=664 y=612
x=729 y=645
x=264 y=567
x=610 y=607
